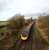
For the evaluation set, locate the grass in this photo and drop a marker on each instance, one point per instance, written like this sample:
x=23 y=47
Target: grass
x=3 y=22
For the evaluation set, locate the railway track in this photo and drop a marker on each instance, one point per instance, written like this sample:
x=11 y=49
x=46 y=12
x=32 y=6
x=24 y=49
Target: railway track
x=28 y=44
x=32 y=43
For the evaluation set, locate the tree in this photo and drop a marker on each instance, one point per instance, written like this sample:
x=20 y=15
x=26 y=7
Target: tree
x=17 y=22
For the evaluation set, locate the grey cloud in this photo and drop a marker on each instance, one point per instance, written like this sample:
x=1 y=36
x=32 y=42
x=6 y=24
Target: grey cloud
x=11 y=7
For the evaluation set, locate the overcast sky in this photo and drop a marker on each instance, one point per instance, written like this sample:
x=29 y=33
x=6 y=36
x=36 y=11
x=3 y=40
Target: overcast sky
x=9 y=8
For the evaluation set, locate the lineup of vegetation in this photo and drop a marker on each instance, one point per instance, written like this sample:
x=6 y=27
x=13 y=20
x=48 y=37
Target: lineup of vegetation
x=43 y=22
x=8 y=33
x=17 y=23
x=43 y=25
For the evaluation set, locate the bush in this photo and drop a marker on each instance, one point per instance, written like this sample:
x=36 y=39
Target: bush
x=17 y=22
x=43 y=22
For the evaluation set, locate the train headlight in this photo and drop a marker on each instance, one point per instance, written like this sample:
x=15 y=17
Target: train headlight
x=24 y=37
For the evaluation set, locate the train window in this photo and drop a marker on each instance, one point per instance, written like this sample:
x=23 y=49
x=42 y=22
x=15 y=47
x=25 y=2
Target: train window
x=24 y=33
